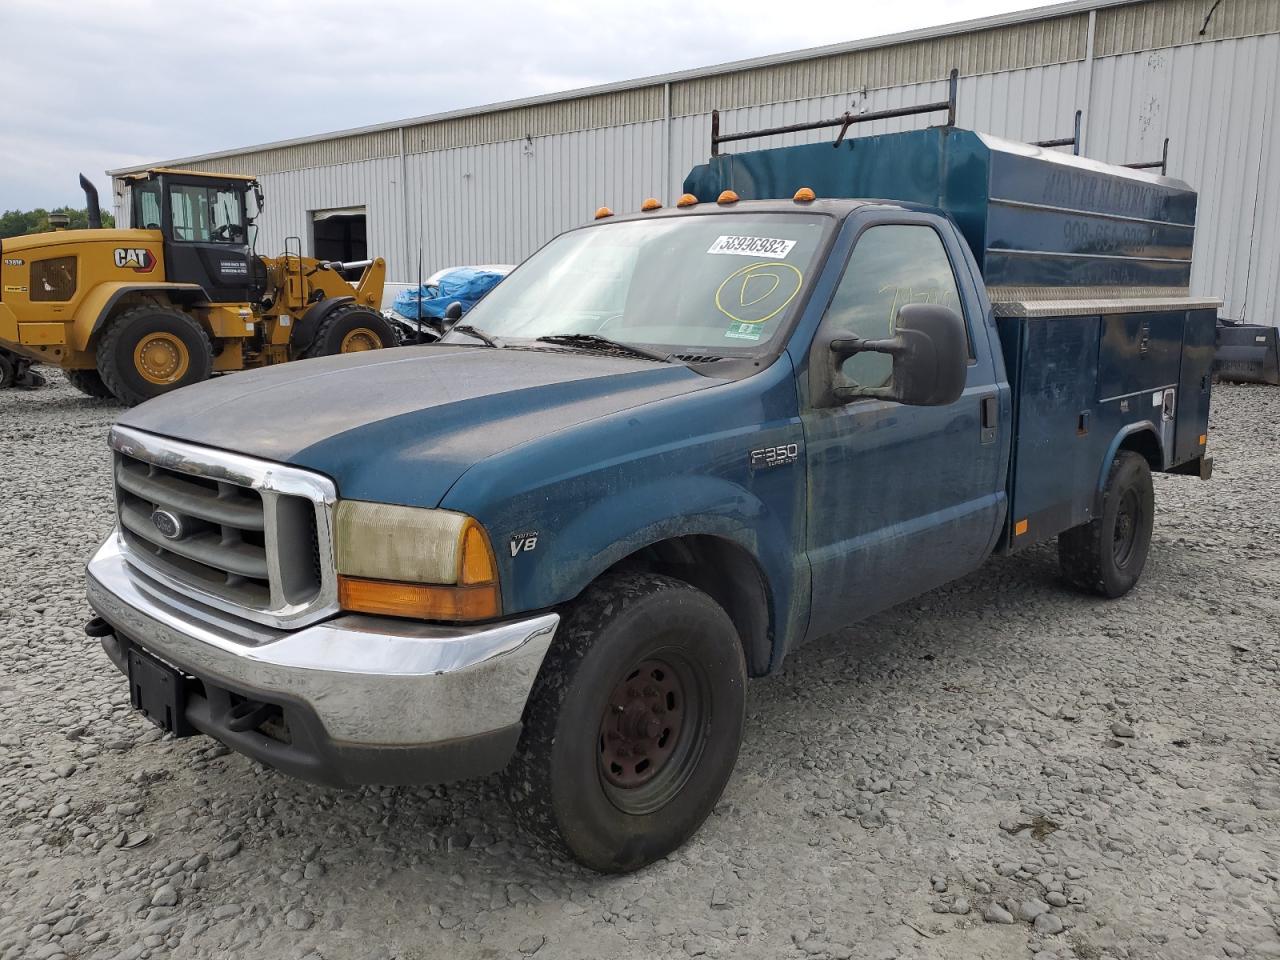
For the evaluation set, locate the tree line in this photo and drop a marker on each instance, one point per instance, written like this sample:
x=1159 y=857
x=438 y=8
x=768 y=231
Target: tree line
x=15 y=223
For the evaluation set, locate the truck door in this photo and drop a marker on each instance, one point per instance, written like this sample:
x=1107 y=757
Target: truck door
x=901 y=498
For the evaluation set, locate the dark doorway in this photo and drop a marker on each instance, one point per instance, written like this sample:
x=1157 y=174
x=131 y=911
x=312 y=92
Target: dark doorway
x=339 y=234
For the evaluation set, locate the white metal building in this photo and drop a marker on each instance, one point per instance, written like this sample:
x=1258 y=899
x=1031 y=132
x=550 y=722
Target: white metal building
x=491 y=184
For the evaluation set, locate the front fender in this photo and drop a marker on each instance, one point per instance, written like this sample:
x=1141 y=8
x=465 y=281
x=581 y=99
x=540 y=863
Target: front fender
x=99 y=303
x=563 y=510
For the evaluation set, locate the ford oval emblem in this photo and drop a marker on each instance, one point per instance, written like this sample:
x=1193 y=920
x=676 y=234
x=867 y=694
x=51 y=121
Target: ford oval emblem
x=169 y=524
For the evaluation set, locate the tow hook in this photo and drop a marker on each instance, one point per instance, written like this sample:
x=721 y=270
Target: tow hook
x=98 y=628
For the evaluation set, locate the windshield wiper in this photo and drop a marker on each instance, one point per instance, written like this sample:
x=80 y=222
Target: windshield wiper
x=476 y=332
x=595 y=341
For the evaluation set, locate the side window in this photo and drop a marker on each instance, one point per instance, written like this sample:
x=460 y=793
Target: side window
x=147 y=214
x=892 y=265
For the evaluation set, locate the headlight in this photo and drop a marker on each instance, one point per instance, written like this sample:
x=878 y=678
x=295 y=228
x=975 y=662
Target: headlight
x=414 y=562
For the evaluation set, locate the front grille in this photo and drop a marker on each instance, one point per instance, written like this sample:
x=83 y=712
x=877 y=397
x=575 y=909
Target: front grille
x=245 y=535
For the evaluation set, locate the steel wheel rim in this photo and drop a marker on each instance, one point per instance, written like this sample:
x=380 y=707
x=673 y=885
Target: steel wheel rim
x=359 y=340
x=1128 y=522
x=161 y=358
x=652 y=732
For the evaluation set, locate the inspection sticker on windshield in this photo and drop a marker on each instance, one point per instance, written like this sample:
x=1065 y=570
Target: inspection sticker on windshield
x=753 y=246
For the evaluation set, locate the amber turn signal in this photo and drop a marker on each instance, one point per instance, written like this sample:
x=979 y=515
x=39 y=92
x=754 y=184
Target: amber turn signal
x=687 y=200
x=603 y=212
x=804 y=195
x=728 y=196
x=421 y=601
x=651 y=204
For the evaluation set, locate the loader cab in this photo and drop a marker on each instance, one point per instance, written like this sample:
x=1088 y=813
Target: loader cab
x=206 y=220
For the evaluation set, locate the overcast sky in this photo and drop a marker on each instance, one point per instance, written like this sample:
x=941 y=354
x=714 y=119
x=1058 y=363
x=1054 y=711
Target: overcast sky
x=90 y=85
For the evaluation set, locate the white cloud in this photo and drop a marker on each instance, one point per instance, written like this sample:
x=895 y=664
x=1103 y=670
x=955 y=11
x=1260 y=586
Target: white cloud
x=91 y=86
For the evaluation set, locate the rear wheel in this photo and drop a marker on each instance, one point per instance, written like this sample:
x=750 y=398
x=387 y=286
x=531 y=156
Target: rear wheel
x=152 y=350
x=352 y=328
x=633 y=725
x=1107 y=555
x=89 y=382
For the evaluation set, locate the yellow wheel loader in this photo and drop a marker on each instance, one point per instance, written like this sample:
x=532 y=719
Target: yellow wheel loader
x=134 y=313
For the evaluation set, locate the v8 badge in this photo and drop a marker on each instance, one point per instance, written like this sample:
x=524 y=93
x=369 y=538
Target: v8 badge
x=524 y=542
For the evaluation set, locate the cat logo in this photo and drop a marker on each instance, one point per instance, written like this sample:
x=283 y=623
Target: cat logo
x=138 y=259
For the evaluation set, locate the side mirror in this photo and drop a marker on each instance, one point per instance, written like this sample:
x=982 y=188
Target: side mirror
x=453 y=312
x=930 y=354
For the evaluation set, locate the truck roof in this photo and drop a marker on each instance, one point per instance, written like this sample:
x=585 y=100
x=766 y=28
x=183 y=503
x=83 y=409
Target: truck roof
x=839 y=207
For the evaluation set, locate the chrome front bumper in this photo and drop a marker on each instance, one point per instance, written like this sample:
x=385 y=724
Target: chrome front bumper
x=369 y=682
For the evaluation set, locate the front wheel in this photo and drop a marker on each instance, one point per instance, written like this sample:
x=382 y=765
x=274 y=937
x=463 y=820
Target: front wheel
x=352 y=329
x=634 y=723
x=1107 y=554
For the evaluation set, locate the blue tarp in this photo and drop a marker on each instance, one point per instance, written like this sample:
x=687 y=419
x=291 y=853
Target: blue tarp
x=465 y=285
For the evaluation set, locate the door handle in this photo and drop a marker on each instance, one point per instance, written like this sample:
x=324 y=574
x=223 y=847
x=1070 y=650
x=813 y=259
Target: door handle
x=990 y=418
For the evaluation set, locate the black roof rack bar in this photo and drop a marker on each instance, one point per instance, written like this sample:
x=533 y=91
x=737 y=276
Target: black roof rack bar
x=1162 y=164
x=1072 y=141
x=843 y=121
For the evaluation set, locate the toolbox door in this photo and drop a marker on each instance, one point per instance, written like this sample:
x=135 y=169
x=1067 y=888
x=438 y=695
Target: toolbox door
x=1192 y=415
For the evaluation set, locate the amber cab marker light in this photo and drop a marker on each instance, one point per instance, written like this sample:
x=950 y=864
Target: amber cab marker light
x=687 y=200
x=727 y=196
x=651 y=204
x=603 y=212
x=804 y=195
x=1020 y=528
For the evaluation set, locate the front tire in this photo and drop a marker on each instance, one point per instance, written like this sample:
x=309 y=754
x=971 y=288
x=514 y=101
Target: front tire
x=352 y=328
x=634 y=723
x=1107 y=555
x=147 y=351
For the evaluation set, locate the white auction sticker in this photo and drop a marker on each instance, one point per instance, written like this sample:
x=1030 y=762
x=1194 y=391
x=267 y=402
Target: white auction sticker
x=752 y=246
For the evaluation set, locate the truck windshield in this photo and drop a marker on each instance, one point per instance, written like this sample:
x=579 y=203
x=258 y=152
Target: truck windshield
x=721 y=284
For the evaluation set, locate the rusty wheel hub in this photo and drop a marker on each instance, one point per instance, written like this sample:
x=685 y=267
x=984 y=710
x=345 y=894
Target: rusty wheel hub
x=641 y=725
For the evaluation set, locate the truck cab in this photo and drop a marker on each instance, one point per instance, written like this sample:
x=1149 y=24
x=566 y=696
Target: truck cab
x=206 y=222
x=669 y=448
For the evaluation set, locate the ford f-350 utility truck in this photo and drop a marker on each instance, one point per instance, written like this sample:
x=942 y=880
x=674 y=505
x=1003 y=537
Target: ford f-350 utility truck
x=670 y=447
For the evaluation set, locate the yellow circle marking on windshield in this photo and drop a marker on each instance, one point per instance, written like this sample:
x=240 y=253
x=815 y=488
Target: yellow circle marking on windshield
x=783 y=277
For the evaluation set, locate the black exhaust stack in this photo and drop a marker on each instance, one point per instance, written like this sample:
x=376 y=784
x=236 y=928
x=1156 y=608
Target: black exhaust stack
x=91 y=201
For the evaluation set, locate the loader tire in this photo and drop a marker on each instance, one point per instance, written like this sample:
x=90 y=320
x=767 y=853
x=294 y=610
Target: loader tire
x=8 y=371
x=147 y=351
x=89 y=382
x=352 y=328
x=1107 y=554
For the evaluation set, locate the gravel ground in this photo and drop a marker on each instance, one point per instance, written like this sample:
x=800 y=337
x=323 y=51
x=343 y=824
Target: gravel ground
x=1000 y=769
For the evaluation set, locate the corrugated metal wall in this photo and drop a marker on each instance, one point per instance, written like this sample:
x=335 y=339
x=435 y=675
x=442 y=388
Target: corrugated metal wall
x=493 y=186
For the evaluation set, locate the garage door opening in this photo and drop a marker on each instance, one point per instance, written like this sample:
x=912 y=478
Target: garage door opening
x=339 y=234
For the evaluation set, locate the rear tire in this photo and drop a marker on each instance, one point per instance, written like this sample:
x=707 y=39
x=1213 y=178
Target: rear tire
x=89 y=382
x=1107 y=554
x=634 y=723
x=352 y=328
x=147 y=351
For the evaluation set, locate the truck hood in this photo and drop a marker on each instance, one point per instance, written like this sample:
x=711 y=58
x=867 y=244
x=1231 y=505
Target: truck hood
x=401 y=426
